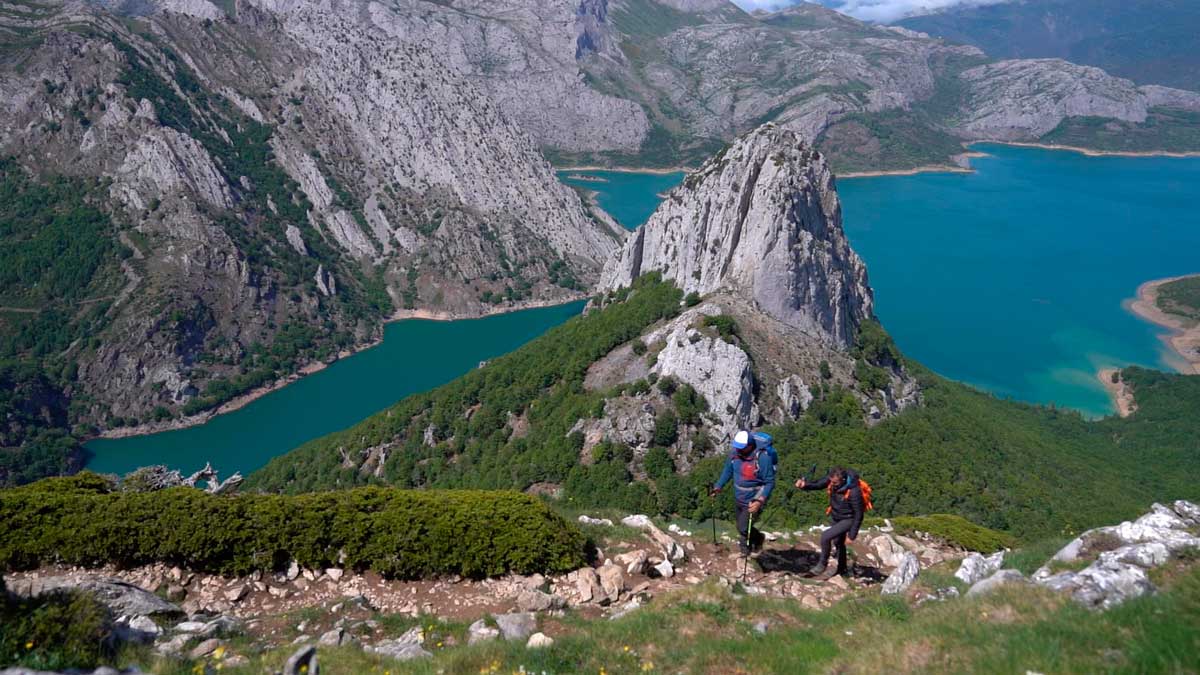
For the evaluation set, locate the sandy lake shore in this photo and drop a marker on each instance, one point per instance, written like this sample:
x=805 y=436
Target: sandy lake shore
x=1184 y=337
x=317 y=366
x=1090 y=152
x=1120 y=393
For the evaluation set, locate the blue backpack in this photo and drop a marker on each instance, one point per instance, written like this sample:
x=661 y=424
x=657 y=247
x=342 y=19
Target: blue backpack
x=764 y=441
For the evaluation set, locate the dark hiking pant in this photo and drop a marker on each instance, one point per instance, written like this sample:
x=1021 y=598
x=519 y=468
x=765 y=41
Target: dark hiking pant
x=835 y=535
x=746 y=539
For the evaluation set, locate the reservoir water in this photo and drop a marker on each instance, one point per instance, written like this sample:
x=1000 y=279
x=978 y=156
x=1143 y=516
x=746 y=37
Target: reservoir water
x=415 y=355
x=628 y=196
x=1010 y=279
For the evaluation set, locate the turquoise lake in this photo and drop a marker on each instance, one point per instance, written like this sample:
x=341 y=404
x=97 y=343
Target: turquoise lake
x=628 y=196
x=1010 y=279
x=415 y=355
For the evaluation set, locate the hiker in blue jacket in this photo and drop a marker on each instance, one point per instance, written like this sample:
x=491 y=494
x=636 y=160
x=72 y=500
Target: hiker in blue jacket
x=752 y=470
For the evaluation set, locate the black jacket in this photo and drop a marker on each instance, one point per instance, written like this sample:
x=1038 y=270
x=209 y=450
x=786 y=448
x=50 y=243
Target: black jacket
x=843 y=504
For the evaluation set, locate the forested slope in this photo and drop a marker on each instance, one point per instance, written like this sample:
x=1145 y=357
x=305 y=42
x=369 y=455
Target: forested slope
x=1030 y=470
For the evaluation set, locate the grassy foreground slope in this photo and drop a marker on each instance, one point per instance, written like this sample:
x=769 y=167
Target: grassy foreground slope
x=1030 y=470
x=707 y=629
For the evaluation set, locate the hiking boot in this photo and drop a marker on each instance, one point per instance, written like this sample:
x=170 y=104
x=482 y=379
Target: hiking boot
x=817 y=569
x=743 y=550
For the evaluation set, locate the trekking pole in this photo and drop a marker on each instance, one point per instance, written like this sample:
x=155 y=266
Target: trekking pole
x=714 y=525
x=749 y=540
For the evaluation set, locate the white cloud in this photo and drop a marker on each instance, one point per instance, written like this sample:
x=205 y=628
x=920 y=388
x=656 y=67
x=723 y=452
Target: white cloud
x=872 y=10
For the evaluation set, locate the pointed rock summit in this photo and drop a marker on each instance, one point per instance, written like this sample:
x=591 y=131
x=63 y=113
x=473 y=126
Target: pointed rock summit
x=761 y=220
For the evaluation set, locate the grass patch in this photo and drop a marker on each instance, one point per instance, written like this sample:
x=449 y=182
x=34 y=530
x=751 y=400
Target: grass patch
x=1181 y=298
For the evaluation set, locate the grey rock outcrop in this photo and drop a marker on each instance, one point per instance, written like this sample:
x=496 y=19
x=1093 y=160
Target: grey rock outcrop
x=516 y=625
x=1026 y=99
x=481 y=632
x=761 y=220
x=890 y=553
x=404 y=648
x=1121 y=555
x=122 y=598
x=376 y=153
x=976 y=567
x=995 y=581
x=903 y=576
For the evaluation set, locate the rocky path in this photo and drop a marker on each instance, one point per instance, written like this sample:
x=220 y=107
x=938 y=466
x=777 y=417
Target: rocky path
x=207 y=617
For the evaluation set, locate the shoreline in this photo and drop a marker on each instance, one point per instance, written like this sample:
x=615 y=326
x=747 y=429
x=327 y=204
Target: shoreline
x=1182 y=338
x=1121 y=395
x=249 y=397
x=1090 y=152
x=625 y=169
x=929 y=168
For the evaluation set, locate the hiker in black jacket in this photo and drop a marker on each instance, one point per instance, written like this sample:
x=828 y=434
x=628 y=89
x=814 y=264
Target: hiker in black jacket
x=846 y=509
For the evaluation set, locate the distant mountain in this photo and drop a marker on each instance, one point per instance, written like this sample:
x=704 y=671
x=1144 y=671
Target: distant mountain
x=198 y=200
x=1147 y=41
x=872 y=97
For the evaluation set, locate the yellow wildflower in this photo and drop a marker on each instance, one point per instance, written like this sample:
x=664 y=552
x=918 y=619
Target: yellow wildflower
x=29 y=645
x=647 y=667
x=219 y=652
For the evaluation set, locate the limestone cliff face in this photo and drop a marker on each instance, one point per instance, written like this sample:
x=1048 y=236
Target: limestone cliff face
x=295 y=166
x=1026 y=99
x=761 y=220
x=756 y=233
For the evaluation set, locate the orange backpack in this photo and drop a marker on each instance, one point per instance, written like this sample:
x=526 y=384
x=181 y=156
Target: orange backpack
x=866 y=494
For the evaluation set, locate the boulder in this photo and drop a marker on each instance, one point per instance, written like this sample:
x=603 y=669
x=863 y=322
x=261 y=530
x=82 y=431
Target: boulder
x=1102 y=584
x=146 y=626
x=671 y=548
x=587 y=585
x=539 y=640
x=995 y=581
x=174 y=646
x=665 y=569
x=976 y=567
x=889 y=552
x=612 y=583
x=588 y=520
x=302 y=662
x=335 y=573
x=537 y=601
x=338 y=637
x=404 y=648
x=1148 y=555
x=905 y=574
x=122 y=598
x=237 y=593
x=516 y=625
x=481 y=632
x=1188 y=511
x=634 y=561
x=204 y=649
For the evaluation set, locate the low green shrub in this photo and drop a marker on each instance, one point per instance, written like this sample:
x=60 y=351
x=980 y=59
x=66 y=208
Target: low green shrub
x=54 y=631
x=397 y=533
x=954 y=530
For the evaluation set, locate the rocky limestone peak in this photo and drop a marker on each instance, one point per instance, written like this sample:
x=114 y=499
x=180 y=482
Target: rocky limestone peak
x=761 y=220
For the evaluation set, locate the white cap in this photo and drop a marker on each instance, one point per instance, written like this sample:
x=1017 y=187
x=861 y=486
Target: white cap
x=741 y=439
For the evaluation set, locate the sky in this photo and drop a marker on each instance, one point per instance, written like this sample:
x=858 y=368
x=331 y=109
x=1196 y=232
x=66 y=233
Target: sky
x=871 y=10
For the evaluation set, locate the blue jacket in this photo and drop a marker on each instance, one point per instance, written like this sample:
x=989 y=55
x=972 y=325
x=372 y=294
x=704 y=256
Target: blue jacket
x=753 y=477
